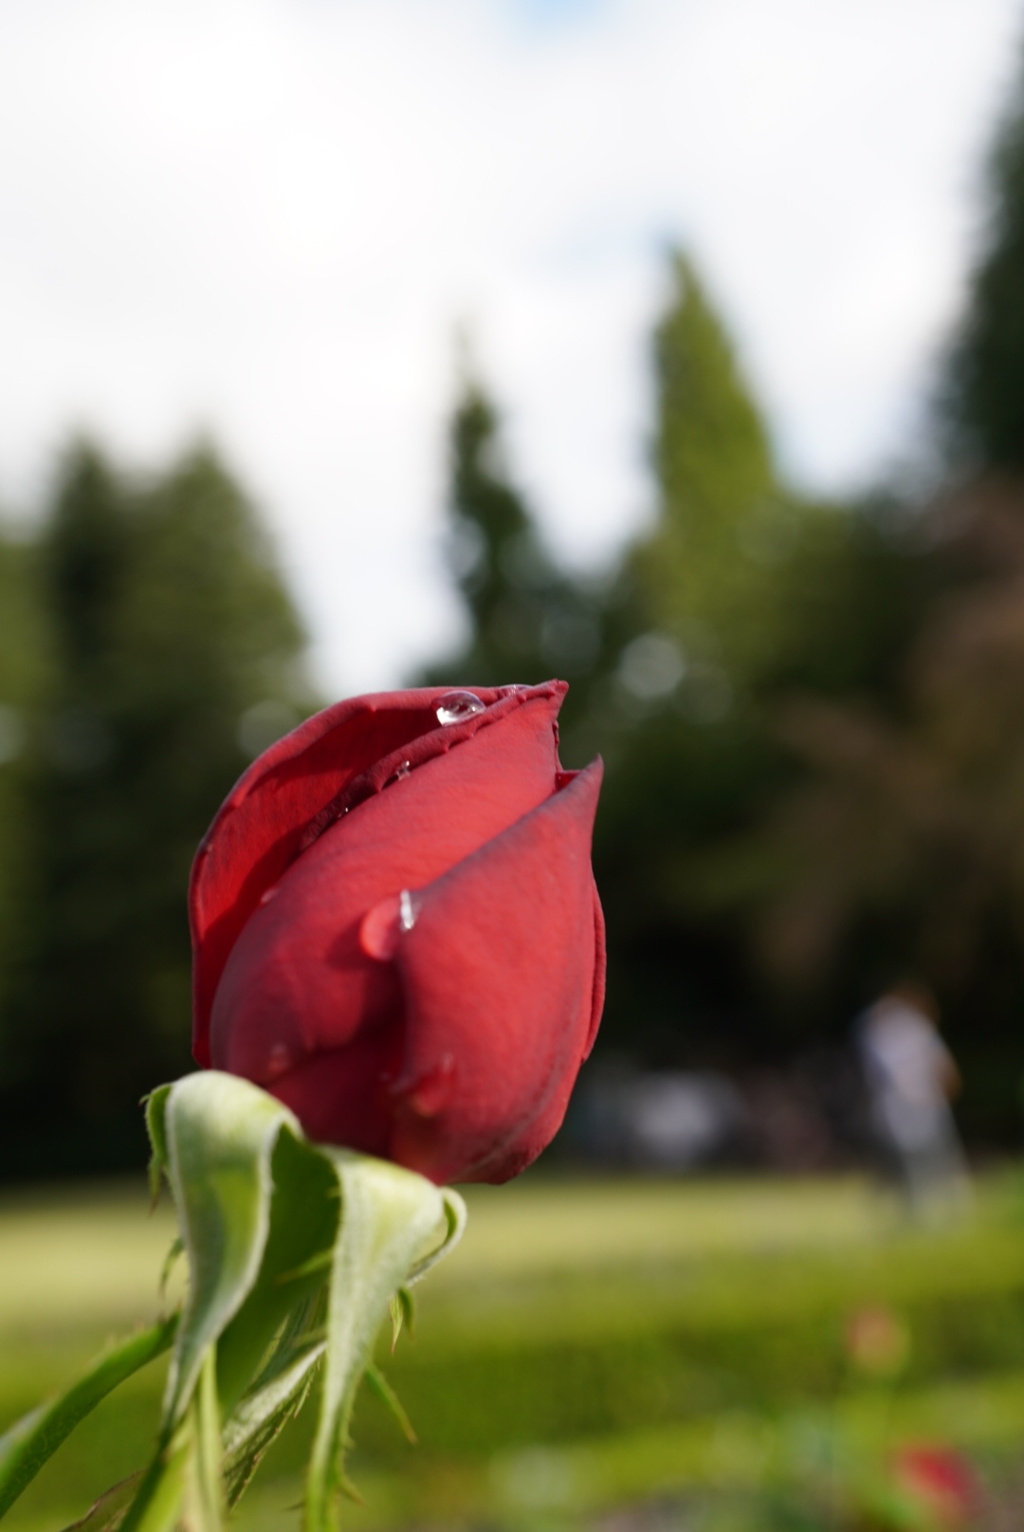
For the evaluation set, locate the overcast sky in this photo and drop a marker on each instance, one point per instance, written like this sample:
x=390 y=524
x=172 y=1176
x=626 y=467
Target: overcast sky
x=266 y=218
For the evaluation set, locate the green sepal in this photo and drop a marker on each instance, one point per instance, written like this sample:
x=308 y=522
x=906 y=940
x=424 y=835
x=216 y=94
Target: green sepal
x=155 y=1104
x=403 y=1304
x=387 y=1396
x=403 y=1316
x=295 y=1251
x=219 y=1134
x=389 y=1218
x=303 y=1219
x=183 y=1485
x=348 y=1489
x=171 y=1259
x=261 y=1416
x=455 y=1215
x=109 y=1511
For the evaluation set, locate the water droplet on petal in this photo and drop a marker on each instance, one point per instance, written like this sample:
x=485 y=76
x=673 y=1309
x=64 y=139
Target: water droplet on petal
x=405 y=770
x=268 y=894
x=510 y=691
x=432 y=1091
x=380 y=929
x=409 y=906
x=279 y=1062
x=455 y=707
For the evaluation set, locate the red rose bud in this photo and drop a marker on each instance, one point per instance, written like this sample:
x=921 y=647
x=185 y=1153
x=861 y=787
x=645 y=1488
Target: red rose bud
x=396 y=929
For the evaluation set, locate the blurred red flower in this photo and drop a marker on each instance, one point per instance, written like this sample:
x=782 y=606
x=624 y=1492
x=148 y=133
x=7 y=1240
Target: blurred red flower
x=942 y=1482
x=396 y=929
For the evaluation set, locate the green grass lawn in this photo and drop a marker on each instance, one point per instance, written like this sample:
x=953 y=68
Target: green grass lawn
x=589 y=1345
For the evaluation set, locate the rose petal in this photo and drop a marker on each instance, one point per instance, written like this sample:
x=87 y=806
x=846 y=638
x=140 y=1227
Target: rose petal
x=501 y=977
x=299 y=975
x=263 y=824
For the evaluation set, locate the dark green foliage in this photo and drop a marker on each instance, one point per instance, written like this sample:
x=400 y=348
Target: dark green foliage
x=739 y=597
x=705 y=572
x=24 y=673
x=898 y=847
x=528 y=619
x=169 y=630
x=984 y=386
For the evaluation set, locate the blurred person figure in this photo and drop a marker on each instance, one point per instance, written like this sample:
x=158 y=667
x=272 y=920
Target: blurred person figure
x=911 y=1077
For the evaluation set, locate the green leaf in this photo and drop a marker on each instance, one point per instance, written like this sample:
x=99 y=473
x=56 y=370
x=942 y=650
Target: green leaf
x=219 y=1134
x=389 y=1216
x=35 y=1438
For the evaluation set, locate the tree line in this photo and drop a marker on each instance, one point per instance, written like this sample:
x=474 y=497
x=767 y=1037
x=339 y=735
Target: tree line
x=811 y=712
x=150 y=650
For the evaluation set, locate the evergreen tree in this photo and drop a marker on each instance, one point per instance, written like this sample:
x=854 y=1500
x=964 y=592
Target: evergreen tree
x=694 y=623
x=175 y=646
x=896 y=848
x=528 y=621
x=741 y=594
x=984 y=385
x=23 y=679
x=706 y=574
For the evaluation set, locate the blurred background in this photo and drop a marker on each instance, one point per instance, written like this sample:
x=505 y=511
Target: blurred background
x=674 y=349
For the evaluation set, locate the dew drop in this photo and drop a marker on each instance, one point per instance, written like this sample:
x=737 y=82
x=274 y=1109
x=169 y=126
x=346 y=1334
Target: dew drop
x=268 y=894
x=405 y=770
x=386 y=922
x=455 y=707
x=510 y=691
x=431 y=1093
x=279 y=1062
x=409 y=906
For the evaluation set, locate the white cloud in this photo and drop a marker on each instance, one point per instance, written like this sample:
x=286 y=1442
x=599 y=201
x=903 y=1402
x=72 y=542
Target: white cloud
x=267 y=217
